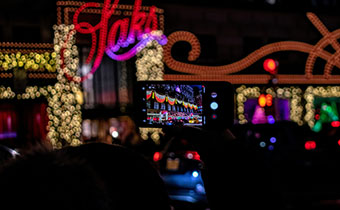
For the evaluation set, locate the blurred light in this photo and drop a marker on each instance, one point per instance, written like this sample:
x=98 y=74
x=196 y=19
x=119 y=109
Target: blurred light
x=200 y=189
x=195 y=174
x=310 y=145
x=262 y=144
x=214 y=116
x=270 y=119
x=335 y=124
x=271 y=147
x=262 y=100
x=178 y=90
x=272 y=2
x=317 y=127
x=213 y=95
x=317 y=116
x=192 y=155
x=270 y=65
x=8 y=135
x=275 y=80
x=157 y=156
x=115 y=134
x=214 y=105
x=269 y=100
x=339 y=142
x=273 y=140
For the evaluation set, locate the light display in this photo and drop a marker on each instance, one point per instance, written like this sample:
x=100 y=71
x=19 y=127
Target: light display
x=315 y=121
x=145 y=21
x=149 y=62
x=217 y=73
x=65 y=101
x=293 y=94
x=108 y=41
x=63 y=98
x=30 y=62
x=328 y=113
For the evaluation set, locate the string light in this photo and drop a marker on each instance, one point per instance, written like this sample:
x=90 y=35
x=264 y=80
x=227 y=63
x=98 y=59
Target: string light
x=65 y=98
x=31 y=62
x=149 y=62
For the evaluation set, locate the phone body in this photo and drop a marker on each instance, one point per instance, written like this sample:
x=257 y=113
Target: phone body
x=204 y=104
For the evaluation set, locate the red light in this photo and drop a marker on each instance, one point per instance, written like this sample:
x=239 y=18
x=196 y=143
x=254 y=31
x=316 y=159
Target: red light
x=269 y=100
x=192 y=155
x=262 y=100
x=317 y=116
x=270 y=65
x=310 y=145
x=157 y=156
x=335 y=124
x=339 y=142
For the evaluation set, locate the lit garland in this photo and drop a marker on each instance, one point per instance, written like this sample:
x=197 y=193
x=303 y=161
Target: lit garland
x=64 y=109
x=150 y=67
x=311 y=93
x=171 y=101
x=159 y=98
x=294 y=94
x=31 y=92
x=32 y=61
x=164 y=98
x=149 y=61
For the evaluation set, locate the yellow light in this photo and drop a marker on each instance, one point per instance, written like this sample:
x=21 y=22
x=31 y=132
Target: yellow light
x=262 y=100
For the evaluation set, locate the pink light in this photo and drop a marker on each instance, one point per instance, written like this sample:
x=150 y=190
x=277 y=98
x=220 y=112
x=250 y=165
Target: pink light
x=133 y=51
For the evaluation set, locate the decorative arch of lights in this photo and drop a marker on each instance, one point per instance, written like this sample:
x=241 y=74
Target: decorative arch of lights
x=217 y=73
x=193 y=72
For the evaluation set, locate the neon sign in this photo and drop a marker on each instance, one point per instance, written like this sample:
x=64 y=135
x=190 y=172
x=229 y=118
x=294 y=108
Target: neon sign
x=141 y=29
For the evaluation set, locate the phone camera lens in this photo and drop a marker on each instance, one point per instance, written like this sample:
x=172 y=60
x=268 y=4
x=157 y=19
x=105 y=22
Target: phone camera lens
x=214 y=105
x=213 y=95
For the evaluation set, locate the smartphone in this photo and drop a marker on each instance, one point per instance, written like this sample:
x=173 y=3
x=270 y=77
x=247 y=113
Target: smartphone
x=209 y=105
